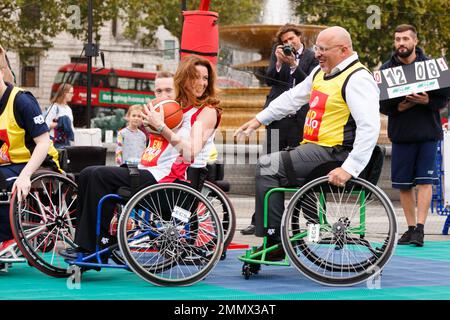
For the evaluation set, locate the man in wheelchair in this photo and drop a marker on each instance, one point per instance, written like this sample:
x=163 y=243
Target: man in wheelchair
x=342 y=125
x=24 y=146
x=168 y=155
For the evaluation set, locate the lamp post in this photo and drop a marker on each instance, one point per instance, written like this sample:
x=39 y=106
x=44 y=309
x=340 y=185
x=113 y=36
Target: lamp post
x=112 y=80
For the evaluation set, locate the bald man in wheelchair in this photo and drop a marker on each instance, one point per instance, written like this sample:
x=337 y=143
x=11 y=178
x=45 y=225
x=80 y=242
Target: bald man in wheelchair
x=342 y=125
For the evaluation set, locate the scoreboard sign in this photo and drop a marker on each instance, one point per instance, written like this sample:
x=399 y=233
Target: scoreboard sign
x=417 y=77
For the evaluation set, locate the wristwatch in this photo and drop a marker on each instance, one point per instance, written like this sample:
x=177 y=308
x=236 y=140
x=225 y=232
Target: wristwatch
x=161 y=128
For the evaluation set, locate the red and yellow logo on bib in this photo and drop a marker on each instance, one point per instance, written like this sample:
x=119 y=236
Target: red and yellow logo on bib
x=317 y=103
x=155 y=148
x=4 y=147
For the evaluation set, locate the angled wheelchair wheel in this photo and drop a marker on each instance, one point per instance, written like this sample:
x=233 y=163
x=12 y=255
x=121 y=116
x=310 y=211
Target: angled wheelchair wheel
x=44 y=223
x=224 y=209
x=170 y=235
x=339 y=235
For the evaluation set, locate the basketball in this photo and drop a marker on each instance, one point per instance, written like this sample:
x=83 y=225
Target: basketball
x=173 y=115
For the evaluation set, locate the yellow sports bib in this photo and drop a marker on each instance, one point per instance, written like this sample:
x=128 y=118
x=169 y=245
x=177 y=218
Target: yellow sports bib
x=12 y=137
x=329 y=122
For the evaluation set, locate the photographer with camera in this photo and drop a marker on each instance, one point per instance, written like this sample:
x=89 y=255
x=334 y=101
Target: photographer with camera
x=290 y=64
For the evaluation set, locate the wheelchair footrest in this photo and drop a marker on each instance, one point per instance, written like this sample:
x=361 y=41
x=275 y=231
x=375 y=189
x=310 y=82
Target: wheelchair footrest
x=259 y=257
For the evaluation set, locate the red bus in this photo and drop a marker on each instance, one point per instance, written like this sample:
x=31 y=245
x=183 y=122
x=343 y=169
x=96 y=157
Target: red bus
x=133 y=87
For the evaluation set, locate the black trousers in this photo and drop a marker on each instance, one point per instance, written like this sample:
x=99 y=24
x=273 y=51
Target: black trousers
x=8 y=172
x=94 y=183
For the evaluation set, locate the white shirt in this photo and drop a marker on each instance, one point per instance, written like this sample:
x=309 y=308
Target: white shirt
x=55 y=111
x=362 y=95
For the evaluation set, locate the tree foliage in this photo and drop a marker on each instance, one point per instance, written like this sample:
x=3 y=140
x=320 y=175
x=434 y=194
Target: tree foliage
x=430 y=17
x=147 y=15
x=29 y=24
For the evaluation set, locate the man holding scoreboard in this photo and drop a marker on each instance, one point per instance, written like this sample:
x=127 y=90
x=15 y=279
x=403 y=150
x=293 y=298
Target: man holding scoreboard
x=414 y=127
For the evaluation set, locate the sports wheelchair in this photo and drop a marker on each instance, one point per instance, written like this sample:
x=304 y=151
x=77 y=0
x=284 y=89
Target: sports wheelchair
x=42 y=223
x=333 y=235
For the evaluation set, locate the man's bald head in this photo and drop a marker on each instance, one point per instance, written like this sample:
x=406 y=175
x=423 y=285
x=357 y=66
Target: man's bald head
x=333 y=45
x=337 y=35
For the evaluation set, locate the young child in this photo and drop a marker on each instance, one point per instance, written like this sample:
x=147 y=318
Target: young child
x=130 y=140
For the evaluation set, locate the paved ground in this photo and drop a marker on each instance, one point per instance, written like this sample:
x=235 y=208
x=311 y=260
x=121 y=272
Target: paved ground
x=412 y=274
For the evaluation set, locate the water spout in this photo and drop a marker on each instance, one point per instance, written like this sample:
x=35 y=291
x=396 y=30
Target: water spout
x=279 y=12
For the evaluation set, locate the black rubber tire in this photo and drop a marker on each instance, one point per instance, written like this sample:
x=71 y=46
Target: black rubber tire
x=318 y=268
x=210 y=190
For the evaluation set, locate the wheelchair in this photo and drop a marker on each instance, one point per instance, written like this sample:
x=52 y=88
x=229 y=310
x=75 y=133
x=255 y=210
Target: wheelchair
x=336 y=236
x=168 y=234
x=44 y=222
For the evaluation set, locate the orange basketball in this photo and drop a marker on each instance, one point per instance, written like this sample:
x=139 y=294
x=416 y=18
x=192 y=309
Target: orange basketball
x=173 y=115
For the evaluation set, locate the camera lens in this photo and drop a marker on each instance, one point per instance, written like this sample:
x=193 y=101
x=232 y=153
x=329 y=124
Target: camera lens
x=287 y=50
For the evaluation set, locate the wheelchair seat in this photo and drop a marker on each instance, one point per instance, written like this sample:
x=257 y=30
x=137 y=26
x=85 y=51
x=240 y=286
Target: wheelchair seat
x=196 y=176
x=371 y=172
x=74 y=159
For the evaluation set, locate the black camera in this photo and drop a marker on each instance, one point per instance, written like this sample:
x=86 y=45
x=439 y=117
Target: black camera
x=288 y=49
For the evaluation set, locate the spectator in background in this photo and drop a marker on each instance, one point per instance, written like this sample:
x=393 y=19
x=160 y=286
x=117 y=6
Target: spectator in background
x=131 y=141
x=414 y=127
x=164 y=89
x=59 y=117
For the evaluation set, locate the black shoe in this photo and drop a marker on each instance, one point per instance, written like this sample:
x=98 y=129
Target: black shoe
x=71 y=253
x=417 y=238
x=249 y=230
x=74 y=253
x=405 y=238
x=277 y=254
